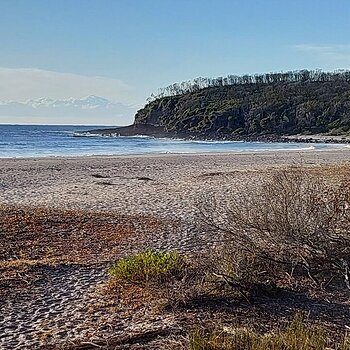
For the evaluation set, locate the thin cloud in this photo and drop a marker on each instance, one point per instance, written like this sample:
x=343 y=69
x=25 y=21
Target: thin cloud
x=331 y=53
x=21 y=84
x=87 y=110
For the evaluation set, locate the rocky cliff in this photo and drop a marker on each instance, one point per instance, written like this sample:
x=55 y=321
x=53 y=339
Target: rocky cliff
x=250 y=110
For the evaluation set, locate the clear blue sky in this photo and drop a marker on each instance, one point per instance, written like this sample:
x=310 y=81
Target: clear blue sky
x=151 y=43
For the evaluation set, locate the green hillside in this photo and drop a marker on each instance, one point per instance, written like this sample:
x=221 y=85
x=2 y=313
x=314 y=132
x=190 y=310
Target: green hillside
x=280 y=104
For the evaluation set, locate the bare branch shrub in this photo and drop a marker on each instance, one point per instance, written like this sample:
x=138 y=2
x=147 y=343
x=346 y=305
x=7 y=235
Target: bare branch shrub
x=295 y=218
x=243 y=272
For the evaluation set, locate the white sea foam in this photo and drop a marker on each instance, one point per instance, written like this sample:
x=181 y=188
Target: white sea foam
x=43 y=141
x=281 y=149
x=217 y=141
x=87 y=134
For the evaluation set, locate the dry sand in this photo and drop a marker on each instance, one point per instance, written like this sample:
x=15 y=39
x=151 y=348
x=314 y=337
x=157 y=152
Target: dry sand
x=160 y=185
x=164 y=186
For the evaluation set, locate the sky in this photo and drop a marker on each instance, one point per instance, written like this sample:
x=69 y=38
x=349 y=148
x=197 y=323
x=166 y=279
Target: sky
x=62 y=58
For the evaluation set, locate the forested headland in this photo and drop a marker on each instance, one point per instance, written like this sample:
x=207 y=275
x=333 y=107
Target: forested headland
x=238 y=107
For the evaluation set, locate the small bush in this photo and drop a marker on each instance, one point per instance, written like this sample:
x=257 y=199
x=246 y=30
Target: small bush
x=158 y=279
x=298 y=336
x=146 y=267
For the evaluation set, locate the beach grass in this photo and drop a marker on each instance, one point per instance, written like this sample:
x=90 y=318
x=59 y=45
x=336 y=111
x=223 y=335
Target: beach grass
x=146 y=266
x=299 y=335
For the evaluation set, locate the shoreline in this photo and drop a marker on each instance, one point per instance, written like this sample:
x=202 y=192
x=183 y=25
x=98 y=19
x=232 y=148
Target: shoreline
x=160 y=132
x=337 y=148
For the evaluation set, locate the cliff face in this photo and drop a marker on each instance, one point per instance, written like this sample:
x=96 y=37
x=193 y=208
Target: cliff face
x=253 y=110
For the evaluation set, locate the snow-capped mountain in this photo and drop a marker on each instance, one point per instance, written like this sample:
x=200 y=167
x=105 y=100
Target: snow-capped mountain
x=86 y=107
x=88 y=102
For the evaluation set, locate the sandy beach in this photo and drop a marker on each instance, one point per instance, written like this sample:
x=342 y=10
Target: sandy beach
x=157 y=187
x=149 y=184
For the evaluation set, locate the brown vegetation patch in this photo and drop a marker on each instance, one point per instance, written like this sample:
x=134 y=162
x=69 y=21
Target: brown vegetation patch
x=34 y=237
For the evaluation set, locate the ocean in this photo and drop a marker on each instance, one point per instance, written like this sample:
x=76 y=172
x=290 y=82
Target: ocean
x=25 y=141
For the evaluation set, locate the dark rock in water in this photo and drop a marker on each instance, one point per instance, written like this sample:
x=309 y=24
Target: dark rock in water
x=137 y=130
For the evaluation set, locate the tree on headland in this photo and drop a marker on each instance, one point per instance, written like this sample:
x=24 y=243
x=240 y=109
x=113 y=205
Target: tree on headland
x=266 y=78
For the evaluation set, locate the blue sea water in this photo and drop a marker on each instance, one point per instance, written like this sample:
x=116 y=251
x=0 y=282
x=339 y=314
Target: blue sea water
x=26 y=141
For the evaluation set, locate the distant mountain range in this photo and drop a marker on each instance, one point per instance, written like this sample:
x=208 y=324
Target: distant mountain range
x=86 y=107
x=88 y=102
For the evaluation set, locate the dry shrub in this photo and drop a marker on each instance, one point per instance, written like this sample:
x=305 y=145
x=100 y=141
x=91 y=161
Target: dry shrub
x=243 y=272
x=191 y=288
x=294 y=220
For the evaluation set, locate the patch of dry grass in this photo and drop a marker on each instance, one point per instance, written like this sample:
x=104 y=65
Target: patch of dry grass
x=34 y=237
x=298 y=336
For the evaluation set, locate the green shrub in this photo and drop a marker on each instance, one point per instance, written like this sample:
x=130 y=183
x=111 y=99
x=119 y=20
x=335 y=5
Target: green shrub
x=158 y=279
x=146 y=267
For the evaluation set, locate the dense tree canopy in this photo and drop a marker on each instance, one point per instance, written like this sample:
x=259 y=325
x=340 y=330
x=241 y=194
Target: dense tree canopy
x=274 y=103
